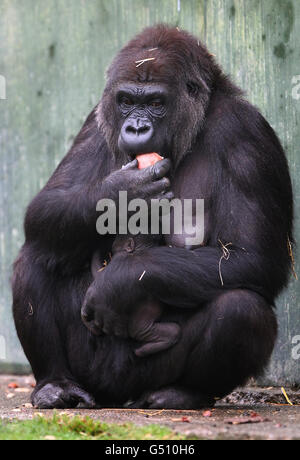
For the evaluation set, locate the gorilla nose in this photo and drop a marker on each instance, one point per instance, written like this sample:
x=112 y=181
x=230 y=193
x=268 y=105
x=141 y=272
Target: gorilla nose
x=138 y=130
x=136 y=135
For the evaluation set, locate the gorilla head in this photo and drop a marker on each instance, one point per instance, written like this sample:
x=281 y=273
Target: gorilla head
x=157 y=93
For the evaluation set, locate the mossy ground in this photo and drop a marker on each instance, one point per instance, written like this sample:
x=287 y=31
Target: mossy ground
x=282 y=421
x=63 y=427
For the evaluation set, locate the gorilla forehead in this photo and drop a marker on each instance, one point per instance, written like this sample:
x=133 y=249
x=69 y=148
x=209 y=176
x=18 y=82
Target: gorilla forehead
x=162 y=54
x=140 y=90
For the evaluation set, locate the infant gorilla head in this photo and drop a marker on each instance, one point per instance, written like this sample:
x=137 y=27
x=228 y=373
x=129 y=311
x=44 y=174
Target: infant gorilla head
x=142 y=324
x=131 y=244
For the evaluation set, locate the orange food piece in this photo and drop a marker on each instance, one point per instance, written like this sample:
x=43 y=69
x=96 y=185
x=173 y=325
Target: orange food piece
x=13 y=385
x=148 y=159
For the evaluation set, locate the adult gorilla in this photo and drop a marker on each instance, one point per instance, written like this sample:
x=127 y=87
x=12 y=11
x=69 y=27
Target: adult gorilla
x=165 y=94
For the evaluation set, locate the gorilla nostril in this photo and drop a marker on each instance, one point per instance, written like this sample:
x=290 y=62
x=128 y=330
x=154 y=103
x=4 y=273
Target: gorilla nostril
x=139 y=130
x=143 y=129
x=131 y=130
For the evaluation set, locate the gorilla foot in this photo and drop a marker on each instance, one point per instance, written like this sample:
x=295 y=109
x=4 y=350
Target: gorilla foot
x=173 y=398
x=57 y=395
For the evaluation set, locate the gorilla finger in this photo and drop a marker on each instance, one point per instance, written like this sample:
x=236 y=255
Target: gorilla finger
x=155 y=172
x=82 y=397
x=166 y=196
x=129 y=166
x=160 y=197
x=141 y=403
x=158 y=187
x=160 y=169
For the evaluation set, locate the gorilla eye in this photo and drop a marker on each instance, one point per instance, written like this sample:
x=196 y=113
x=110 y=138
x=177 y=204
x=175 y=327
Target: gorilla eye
x=156 y=103
x=126 y=101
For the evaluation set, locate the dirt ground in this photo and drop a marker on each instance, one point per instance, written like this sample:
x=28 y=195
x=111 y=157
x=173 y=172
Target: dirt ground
x=249 y=413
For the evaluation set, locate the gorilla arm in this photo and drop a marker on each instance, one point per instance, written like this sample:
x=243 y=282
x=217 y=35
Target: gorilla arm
x=62 y=217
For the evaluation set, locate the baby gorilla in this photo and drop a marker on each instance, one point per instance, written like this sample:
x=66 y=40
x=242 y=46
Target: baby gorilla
x=142 y=322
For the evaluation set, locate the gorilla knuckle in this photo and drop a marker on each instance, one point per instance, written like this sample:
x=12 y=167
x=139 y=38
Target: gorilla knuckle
x=166 y=182
x=160 y=169
x=161 y=186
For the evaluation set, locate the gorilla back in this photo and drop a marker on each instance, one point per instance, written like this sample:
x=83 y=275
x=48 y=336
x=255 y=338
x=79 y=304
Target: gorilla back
x=165 y=94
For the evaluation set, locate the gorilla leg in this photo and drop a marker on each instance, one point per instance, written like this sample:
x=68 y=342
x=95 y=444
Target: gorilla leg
x=227 y=341
x=37 y=305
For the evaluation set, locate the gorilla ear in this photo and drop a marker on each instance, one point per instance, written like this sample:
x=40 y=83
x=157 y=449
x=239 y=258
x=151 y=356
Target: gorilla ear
x=193 y=88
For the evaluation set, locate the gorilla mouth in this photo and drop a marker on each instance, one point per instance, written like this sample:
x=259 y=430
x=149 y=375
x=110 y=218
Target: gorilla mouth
x=135 y=155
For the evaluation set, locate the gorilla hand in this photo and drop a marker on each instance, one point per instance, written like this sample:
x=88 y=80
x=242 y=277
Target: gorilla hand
x=97 y=314
x=147 y=183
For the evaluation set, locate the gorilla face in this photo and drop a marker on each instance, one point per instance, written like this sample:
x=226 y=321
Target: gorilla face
x=156 y=96
x=143 y=110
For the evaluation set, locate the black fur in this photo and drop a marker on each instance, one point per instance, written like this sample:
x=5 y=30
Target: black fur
x=222 y=150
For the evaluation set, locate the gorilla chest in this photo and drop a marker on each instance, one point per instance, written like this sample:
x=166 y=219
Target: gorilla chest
x=190 y=213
